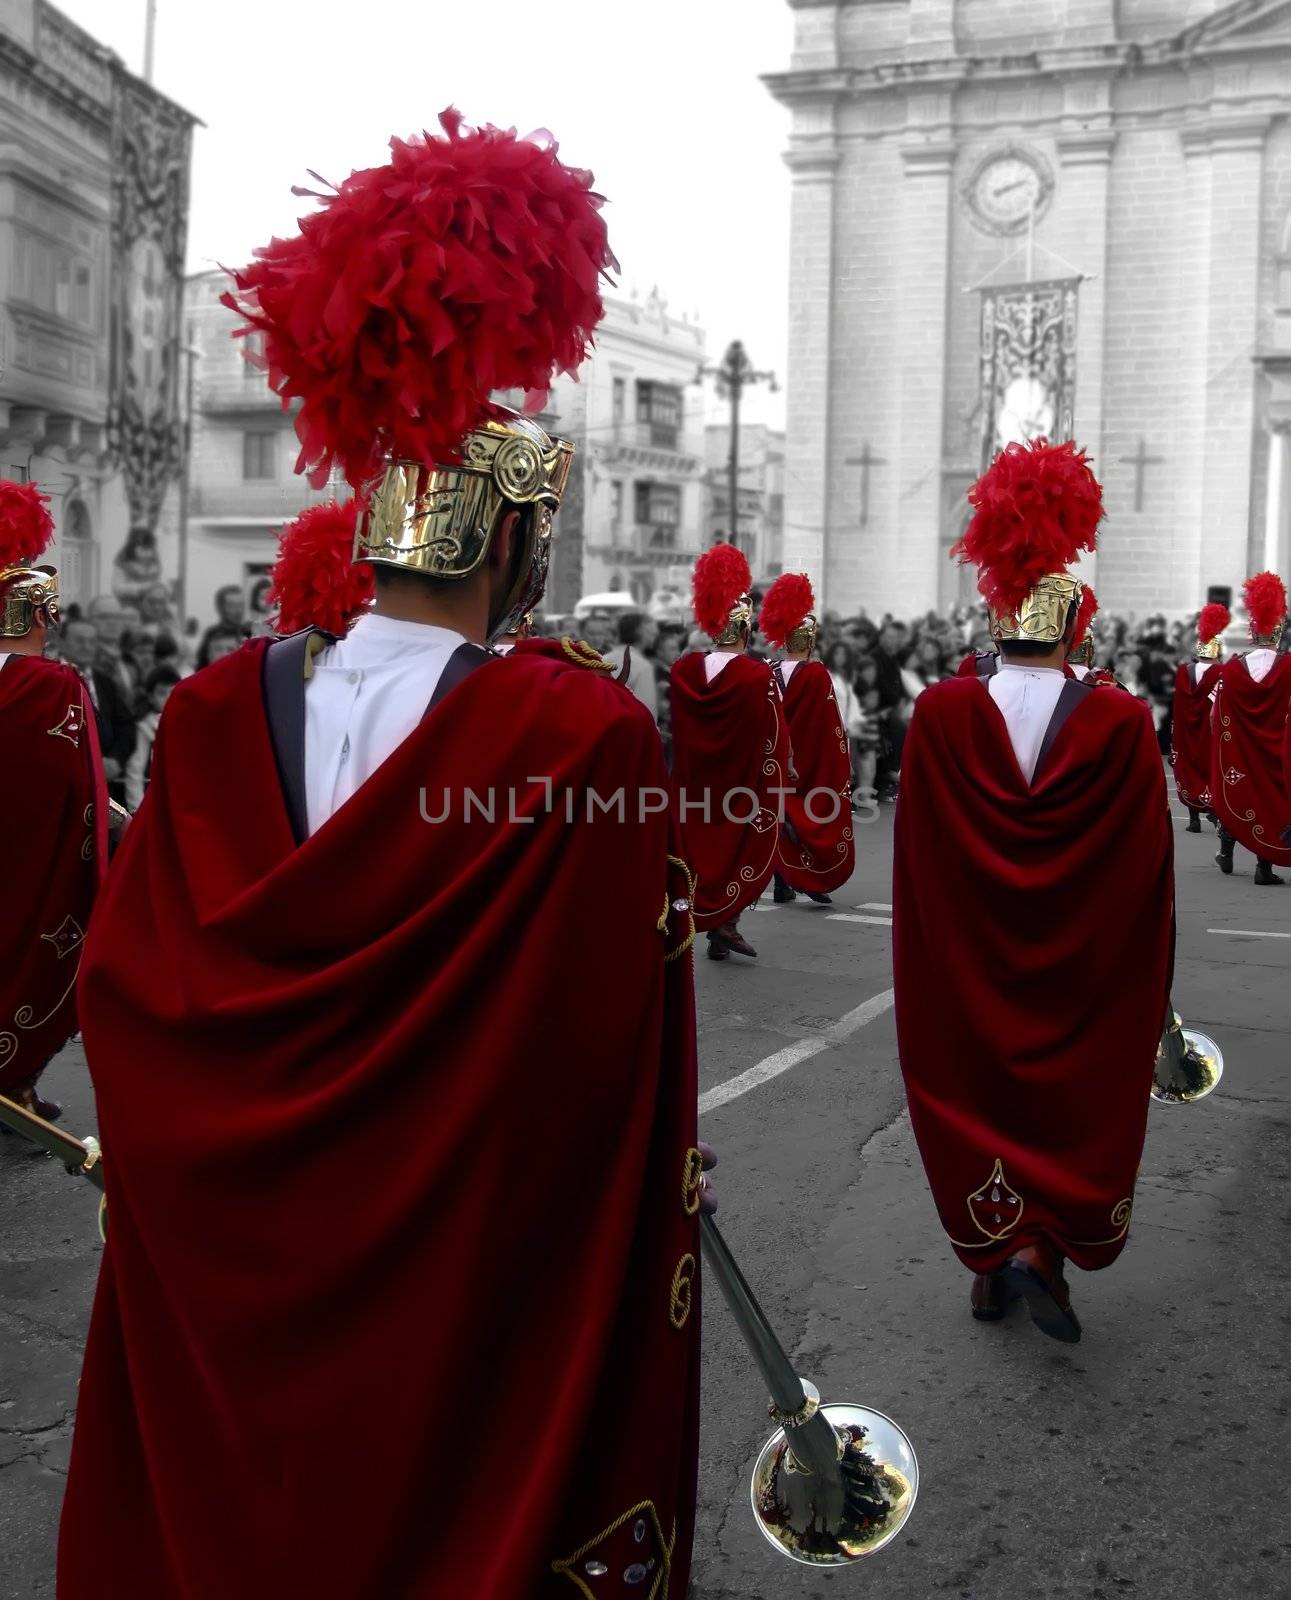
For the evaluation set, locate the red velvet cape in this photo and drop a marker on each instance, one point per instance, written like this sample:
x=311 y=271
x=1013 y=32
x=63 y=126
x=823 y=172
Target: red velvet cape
x=728 y=736
x=1247 y=779
x=1190 y=736
x=817 y=849
x=1033 y=938
x=399 y=1295
x=53 y=820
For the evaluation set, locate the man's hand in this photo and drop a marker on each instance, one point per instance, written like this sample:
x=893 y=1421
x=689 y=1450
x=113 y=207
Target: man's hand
x=707 y=1196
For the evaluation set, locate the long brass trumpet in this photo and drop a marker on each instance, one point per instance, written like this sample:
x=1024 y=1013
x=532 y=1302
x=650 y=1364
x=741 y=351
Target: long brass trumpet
x=833 y=1483
x=81 y=1157
x=1189 y=1064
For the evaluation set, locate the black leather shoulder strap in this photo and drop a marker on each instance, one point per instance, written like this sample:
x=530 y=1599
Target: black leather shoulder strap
x=988 y=664
x=459 y=666
x=1073 y=694
x=283 y=683
x=777 y=672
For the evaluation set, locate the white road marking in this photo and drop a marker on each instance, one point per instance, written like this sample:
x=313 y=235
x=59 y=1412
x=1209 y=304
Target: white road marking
x=792 y=1054
x=873 y=905
x=848 y=916
x=1248 y=933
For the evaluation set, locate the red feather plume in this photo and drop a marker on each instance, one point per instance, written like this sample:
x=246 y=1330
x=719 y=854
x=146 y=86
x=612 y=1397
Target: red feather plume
x=1212 y=621
x=1085 y=615
x=1266 y=602
x=26 y=526
x=1036 y=507
x=316 y=583
x=784 y=606
x=466 y=264
x=721 y=576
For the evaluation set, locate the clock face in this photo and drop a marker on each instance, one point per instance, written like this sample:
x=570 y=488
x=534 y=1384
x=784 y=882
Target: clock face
x=1007 y=189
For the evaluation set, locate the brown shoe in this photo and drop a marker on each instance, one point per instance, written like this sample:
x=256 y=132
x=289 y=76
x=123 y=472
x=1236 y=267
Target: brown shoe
x=730 y=936
x=1035 y=1273
x=990 y=1297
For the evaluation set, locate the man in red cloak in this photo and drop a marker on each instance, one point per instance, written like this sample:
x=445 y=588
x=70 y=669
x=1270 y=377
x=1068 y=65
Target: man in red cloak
x=53 y=808
x=1190 y=738
x=1252 y=698
x=730 y=754
x=816 y=850
x=400 y=1293
x=1028 y=1033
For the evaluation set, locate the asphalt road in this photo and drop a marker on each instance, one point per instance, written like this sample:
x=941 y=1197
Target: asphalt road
x=1149 y=1461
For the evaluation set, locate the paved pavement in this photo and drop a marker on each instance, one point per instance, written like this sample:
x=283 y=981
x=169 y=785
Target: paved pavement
x=1149 y=1461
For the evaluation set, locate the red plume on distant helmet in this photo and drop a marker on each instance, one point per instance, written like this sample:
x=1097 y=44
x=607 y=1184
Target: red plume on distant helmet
x=316 y=583
x=1086 y=614
x=787 y=602
x=721 y=576
x=1212 y=621
x=1035 y=508
x=26 y=527
x=1266 y=603
x=467 y=264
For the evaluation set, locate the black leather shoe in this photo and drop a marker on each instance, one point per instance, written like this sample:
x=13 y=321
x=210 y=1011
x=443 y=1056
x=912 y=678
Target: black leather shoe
x=819 y=899
x=1265 y=877
x=781 y=892
x=1224 y=857
x=1194 y=823
x=1035 y=1274
x=717 y=951
x=990 y=1297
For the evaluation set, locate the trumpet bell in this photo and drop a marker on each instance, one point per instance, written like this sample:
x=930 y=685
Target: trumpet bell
x=1189 y=1065
x=880 y=1480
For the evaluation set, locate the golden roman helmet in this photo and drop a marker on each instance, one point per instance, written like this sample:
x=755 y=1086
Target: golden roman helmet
x=27 y=595
x=1083 y=653
x=1042 y=616
x=441 y=520
x=739 y=622
x=1210 y=650
x=803 y=636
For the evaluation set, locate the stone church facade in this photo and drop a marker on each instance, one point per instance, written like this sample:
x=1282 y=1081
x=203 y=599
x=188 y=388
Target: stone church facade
x=1023 y=216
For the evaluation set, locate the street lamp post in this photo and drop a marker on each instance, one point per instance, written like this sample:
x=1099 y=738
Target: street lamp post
x=191 y=354
x=733 y=375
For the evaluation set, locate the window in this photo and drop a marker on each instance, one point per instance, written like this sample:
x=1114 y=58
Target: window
x=258 y=455
x=616 y=510
x=619 y=398
x=658 y=512
x=659 y=407
x=252 y=352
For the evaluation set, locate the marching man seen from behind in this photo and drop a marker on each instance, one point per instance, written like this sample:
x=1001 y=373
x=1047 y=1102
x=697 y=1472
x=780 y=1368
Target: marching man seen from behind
x=1252 y=699
x=53 y=808
x=730 y=756
x=1032 y=915
x=357 y=1192
x=1190 y=736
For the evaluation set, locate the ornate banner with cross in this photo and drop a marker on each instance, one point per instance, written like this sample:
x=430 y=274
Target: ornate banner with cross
x=1028 y=356
x=151 y=141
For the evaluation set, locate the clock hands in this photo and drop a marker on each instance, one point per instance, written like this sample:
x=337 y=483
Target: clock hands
x=1008 y=188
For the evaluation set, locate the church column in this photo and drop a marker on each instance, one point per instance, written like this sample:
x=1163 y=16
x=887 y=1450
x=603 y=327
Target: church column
x=1086 y=158
x=813 y=161
x=1192 y=564
x=1237 y=163
x=1275 y=515
x=915 y=561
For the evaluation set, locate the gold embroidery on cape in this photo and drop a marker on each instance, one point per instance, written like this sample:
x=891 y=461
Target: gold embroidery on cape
x=1230 y=777
x=1002 y=1206
x=1120 y=1220
x=763 y=821
x=691 y=1176
x=679 y=1296
x=70 y=727
x=658 y=1589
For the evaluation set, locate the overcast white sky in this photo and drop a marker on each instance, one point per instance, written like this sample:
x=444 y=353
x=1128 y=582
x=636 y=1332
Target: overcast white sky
x=660 y=98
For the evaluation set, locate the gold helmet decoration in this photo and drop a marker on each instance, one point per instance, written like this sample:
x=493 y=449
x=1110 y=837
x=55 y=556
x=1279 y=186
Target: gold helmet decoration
x=466 y=267
x=1035 y=508
x=28 y=591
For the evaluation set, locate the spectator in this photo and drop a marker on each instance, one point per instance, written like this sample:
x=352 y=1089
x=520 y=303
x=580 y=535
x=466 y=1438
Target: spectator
x=111 y=619
x=113 y=714
x=637 y=633
x=842 y=672
x=157 y=686
x=599 y=630
x=136 y=569
x=138 y=656
x=231 y=628
x=669 y=645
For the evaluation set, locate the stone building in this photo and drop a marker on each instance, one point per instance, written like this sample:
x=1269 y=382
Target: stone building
x=93 y=216
x=1023 y=216
x=760 y=531
x=634 y=515
x=242 y=475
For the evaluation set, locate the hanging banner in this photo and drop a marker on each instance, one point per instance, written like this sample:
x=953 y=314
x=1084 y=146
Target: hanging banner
x=1028 y=355
x=151 y=147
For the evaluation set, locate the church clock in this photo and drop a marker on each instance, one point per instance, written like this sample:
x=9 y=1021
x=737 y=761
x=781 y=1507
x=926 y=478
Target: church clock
x=1008 y=188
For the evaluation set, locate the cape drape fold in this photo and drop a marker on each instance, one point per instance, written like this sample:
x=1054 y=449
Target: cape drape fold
x=817 y=848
